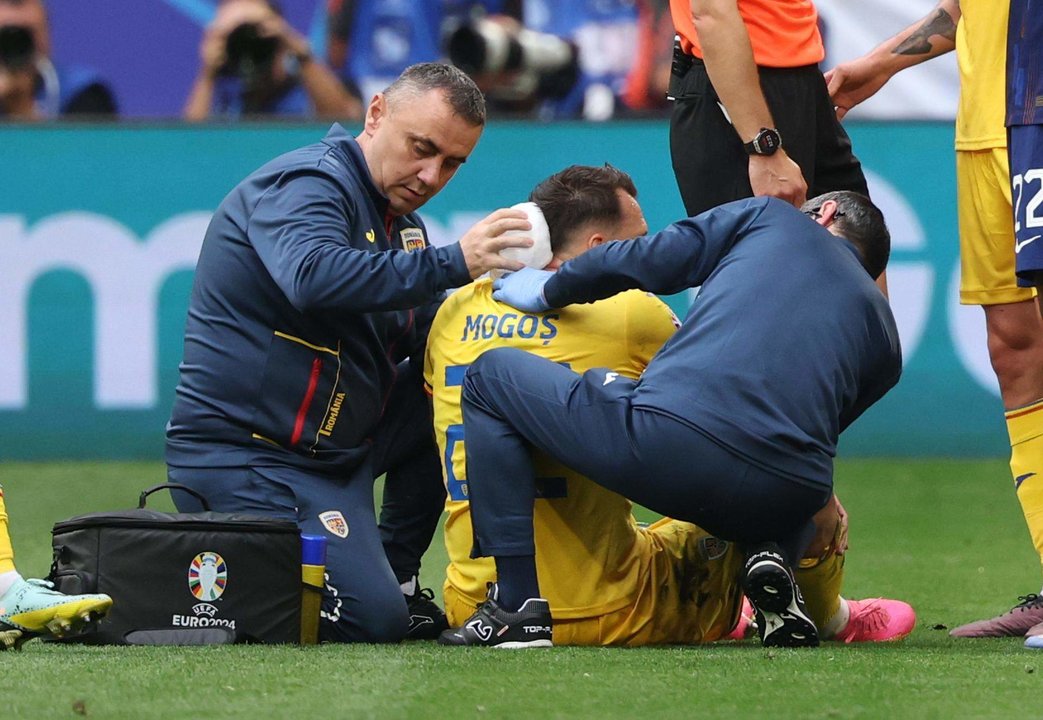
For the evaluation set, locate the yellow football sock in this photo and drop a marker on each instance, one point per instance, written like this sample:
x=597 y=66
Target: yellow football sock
x=6 y=551
x=820 y=580
x=1025 y=427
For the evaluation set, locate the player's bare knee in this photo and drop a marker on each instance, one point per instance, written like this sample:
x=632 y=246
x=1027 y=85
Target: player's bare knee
x=1015 y=332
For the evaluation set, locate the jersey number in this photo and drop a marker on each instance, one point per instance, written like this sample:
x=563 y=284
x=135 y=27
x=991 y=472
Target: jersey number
x=456 y=487
x=546 y=487
x=1019 y=185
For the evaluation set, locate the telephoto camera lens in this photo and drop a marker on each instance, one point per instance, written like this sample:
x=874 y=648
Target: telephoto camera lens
x=16 y=46
x=248 y=52
x=485 y=46
x=543 y=65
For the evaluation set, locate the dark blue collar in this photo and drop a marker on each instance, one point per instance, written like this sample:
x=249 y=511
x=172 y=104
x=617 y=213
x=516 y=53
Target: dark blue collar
x=346 y=146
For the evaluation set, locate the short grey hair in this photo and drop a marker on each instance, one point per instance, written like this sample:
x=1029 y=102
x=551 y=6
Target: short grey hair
x=459 y=90
x=861 y=222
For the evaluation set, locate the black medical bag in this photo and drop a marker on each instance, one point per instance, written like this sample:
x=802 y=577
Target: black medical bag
x=183 y=578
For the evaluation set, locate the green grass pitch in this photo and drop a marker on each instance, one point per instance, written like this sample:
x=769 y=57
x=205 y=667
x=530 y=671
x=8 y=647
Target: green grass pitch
x=945 y=535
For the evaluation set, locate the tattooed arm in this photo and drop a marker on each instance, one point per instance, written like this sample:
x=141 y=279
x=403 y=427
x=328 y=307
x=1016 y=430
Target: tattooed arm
x=935 y=34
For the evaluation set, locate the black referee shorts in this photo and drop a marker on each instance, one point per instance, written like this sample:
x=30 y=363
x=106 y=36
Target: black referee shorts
x=709 y=161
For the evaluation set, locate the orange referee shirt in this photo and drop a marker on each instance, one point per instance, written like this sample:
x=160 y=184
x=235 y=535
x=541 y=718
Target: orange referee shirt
x=783 y=33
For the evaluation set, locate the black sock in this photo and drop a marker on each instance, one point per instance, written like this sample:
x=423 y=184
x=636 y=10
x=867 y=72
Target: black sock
x=516 y=580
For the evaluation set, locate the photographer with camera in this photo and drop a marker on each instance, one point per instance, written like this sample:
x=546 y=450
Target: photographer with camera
x=254 y=63
x=31 y=86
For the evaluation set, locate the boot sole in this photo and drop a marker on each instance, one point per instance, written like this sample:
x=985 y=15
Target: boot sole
x=770 y=589
x=524 y=645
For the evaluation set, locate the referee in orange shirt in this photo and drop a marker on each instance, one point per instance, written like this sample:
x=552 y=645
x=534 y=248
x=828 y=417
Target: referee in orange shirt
x=751 y=114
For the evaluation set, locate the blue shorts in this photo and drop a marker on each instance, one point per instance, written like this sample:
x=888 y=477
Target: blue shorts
x=1026 y=182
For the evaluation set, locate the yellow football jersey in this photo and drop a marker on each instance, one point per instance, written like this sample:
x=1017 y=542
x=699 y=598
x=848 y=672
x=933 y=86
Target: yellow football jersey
x=588 y=553
x=981 y=53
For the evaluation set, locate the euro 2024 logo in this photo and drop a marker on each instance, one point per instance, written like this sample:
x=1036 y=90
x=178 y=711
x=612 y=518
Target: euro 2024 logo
x=207 y=576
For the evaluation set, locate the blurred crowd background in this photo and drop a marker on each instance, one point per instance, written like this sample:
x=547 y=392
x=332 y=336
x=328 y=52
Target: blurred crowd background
x=300 y=59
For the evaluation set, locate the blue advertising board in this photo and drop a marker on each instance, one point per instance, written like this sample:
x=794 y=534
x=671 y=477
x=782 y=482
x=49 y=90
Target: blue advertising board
x=100 y=227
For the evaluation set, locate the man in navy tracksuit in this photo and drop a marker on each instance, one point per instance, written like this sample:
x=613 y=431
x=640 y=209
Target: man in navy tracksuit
x=301 y=378
x=733 y=425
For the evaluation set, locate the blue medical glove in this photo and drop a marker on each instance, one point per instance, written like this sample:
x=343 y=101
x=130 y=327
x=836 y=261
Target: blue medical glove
x=523 y=289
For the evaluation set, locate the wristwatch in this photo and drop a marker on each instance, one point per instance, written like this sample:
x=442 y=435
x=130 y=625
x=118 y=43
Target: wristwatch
x=766 y=142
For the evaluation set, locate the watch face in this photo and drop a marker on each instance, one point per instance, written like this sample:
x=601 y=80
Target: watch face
x=768 y=141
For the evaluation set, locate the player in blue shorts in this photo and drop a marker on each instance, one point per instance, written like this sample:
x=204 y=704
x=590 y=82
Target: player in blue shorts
x=1025 y=128
x=1025 y=145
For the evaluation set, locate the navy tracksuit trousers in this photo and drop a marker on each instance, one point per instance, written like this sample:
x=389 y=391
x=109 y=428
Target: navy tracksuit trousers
x=513 y=400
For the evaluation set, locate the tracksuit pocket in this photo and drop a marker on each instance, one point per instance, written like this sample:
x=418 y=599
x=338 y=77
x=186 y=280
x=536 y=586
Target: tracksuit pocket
x=298 y=380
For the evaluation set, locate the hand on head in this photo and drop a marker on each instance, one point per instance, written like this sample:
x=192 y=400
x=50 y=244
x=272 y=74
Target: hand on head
x=481 y=245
